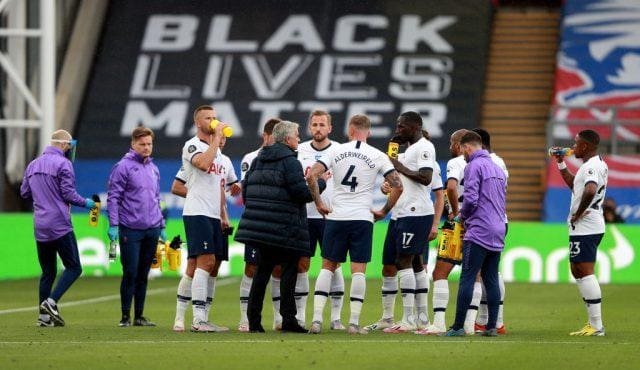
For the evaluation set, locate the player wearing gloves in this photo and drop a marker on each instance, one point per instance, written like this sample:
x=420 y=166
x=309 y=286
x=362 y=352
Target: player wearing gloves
x=49 y=181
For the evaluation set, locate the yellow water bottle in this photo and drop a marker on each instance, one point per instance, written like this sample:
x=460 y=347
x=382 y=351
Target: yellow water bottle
x=227 y=131
x=556 y=150
x=157 y=259
x=172 y=251
x=392 y=149
x=94 y=212
x=456 y=241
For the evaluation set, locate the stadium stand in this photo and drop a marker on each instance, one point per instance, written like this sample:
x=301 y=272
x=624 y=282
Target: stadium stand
x=517 y=97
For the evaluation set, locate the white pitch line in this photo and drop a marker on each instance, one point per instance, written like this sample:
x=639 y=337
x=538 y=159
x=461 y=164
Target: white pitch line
x=267 y=341
x=102 y=299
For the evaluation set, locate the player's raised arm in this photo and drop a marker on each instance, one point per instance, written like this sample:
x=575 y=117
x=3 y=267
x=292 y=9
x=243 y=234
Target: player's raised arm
x=567 y=176
x=396 y=190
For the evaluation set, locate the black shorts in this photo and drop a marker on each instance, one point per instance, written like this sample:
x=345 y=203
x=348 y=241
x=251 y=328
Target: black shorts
x=342 y=237
x=251 y=255
x=583 y=248
x=389 y=247
x=316 y=231
x=204 y=236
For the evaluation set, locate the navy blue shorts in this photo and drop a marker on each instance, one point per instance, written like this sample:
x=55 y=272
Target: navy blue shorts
x=583 y=248
x=389 y=247
x=316 y=231
x=353 y=237
x=406 y=235
x=204 y=236
x=251 y=255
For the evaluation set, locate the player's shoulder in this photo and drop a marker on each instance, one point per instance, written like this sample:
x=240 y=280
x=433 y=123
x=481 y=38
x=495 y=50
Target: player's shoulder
x=456 y=162
x=194 y=144
x=249 y=156
x=304 y=146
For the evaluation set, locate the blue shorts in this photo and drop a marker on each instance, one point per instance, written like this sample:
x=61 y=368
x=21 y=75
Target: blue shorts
x=342 y=237
x=251 y=255
x=583 y=248
x=389 y=247
x=408 y=236
x=316 y=231
x=204 y=236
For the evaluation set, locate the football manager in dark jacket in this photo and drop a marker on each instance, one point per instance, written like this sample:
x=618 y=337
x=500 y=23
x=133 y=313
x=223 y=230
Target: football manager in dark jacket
x=275 y=221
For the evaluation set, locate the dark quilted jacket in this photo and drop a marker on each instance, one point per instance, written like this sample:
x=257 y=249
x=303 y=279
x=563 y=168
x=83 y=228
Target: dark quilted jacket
x=275 y=193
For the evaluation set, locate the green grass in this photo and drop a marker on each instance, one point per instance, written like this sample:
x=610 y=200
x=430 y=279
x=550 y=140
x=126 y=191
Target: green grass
x=538 y=318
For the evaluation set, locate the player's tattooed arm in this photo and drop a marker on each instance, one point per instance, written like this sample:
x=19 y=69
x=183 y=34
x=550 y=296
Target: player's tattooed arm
x=312 y=181
x=396 y=190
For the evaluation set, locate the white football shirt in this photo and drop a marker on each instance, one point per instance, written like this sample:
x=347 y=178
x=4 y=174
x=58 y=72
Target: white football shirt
x=592 y=221
x=500 y=162
x=354 y=166
x=415 y=199
x=245 y=163
x=308 y=155
x=455 y=170
x=436 y=179
x=203 y=197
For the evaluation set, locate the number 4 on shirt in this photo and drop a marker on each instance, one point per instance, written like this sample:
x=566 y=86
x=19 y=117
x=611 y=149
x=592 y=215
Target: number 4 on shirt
x=351 y=183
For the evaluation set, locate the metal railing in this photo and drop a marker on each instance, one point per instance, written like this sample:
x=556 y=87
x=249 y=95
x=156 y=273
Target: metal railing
x=618 y=124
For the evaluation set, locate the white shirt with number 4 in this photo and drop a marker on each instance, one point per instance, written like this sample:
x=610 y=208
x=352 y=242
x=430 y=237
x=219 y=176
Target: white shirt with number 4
x=354 y=166
x=592 y=221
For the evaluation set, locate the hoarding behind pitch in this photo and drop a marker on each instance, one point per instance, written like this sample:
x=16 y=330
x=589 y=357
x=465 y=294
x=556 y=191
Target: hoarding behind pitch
x=254 y=60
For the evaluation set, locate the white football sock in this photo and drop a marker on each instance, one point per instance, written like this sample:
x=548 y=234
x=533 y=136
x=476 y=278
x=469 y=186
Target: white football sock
x=184 y=297
x=356 y=295
x=301 y=294
x=337 y=294
x=199 y=294
x=422 y=296
x=245 y=288
x=407 y=289
x=275 y=298
x=211 y=292
x=500 y=320
x=592 y=296
x=483 y=310
x=440 y=301
x=472 y=311
x=321 y=293
x=389 y=292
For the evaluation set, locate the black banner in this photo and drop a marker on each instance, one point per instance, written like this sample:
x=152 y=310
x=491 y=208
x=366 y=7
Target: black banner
x=254 y=60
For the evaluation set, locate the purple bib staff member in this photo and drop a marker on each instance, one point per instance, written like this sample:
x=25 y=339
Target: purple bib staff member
x=50 y=182
x=483 y=213
x=136 y=219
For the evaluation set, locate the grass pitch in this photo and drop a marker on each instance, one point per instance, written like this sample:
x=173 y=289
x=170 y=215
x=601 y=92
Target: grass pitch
x=538 y=319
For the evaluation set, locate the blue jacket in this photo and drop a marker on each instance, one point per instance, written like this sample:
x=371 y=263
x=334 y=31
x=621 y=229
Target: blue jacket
x=275 y=194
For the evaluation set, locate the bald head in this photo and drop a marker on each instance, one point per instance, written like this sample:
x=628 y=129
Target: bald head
x=457 y=135
x=454 y=142
x=61 y=135
x=60 y=139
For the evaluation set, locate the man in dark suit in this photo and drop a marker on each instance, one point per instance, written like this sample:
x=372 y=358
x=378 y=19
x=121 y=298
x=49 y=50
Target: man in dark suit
x=275 y=221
